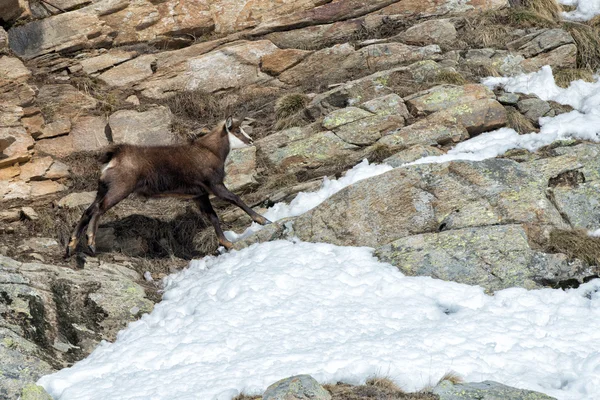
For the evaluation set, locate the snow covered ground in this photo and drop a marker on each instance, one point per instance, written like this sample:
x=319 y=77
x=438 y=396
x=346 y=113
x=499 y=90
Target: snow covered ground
x=245 y=319
x=586 y=9
x=241 y=321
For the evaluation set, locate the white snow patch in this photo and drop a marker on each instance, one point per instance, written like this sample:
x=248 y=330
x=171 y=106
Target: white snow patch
x=306 y=201
x=581 y=123
x=586 y=9
x=595 y=233
x=243 y=320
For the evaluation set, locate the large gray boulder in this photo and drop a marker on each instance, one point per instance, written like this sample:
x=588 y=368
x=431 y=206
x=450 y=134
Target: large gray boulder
x=430 y=198
x=487 y=390
x=300 y=387
x=494 y=257
x=51 y=316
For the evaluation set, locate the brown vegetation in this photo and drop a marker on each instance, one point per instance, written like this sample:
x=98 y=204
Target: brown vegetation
x=519 y=122
x=374 y=389
x=576 y=244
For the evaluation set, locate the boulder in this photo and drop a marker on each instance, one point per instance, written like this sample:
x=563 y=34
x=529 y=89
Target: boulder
x=412 y=154
x=540 y=41
x=52 y=315
x=441 y=7
x=129 y=72
x=89 y=133
x=477 y=116
x=19 y=150
x=429 y=198
x=534 y=109
x=104 y=61
x=436 y=31
x=74 y=200
x=240 y=169
x=316 y=36
x=152 y=127
x=57 y=128
x=298 y=148
x=445 y=96
x=391 y=104
x=298 y=387
x=487 y=390
x=34 y=392
x=493 y=257
x=13 y=69
x=35 y=169
x=60 y=146
x=10 y=116
x=62 y=32
x=344 y=116
x=367 y=131
x=6 y=139
x=277 y=62
x=574 y=179
x=561 y=57
x=12 y=10
x=425 y=133
x=63 y=101
x=229 y=67
x=340 y=62
x=325 y=13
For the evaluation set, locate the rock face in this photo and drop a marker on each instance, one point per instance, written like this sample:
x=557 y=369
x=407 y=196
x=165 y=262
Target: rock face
x=429 y=198
x=50 y=314
x=299 y=387
x=494 y=257
x=487 y=390
x=150 y=128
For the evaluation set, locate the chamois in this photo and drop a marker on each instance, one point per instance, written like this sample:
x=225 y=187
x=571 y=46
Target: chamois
x=189 y=171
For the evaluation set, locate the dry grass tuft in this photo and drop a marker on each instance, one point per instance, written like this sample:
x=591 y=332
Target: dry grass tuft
x=196 y=112
x=493 y=28
x=549 y=9
x=564 y=77
x=384 y=383
x=379 y=391
x=290 y=111
x=595 y=22
x=243 y=396
x=109 y=99
x=450 y=77
x=587 y=39
x=519 y=122
x=452 y=377
x=379 y=152
x=576 y=244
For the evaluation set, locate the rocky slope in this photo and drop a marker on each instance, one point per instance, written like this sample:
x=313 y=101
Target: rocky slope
x=327 y=84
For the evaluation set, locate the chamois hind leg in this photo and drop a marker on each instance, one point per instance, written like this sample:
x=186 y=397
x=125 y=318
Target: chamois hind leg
x=222 y=192
x=113 y=196
x=85 y=219
x=208 y=211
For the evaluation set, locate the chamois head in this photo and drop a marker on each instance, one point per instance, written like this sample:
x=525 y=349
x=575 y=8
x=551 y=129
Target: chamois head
x=238 y=138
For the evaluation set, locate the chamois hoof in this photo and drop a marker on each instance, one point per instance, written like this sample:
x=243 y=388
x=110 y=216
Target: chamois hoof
x=227 y=244
x=263 y=221
x=91 y=249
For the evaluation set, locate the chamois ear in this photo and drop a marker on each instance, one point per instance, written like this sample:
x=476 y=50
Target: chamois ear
x=229 y=123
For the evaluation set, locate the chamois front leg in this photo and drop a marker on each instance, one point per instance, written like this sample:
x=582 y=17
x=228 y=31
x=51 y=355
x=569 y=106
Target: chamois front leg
x=208 y=211
x=222 y=192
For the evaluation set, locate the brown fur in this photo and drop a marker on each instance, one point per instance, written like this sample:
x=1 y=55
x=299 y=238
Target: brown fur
x=190 y=171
